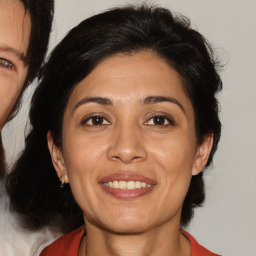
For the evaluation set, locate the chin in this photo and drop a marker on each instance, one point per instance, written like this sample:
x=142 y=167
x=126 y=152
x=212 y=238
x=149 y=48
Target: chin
x=128 y=224
x=128 y=229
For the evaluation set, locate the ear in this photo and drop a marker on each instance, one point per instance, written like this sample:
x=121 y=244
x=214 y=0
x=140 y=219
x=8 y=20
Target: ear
x=202 y=154
x=57 y=159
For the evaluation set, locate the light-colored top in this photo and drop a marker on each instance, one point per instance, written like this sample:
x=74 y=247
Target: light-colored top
x=17 y=241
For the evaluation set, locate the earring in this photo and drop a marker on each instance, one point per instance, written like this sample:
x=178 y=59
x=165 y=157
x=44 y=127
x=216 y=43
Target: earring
x=62 y=184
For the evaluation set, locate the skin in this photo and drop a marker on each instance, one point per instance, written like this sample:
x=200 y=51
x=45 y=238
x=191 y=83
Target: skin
x=130 y=139
x=14 y=40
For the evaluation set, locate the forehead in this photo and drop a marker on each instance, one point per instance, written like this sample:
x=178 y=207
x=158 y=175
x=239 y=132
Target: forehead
x=15 y=26
x=128 y=79
x=143 y=72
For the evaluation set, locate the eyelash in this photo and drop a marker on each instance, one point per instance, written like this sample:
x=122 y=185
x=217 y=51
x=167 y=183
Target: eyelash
x=6 y=64
x=93 y=118
x=162 y=117
x=104 y=121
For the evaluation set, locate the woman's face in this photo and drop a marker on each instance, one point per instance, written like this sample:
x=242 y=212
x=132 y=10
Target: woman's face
x=14 y=39
x=129 y=145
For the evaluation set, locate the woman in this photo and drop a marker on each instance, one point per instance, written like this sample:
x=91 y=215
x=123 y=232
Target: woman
x=127 y=103
x=24 y=34
x=25 y=27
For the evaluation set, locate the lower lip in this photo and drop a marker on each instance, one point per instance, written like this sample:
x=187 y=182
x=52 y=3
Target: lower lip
x=127 y=193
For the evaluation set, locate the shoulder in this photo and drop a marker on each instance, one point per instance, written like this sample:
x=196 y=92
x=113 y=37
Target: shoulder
x=14 y=239
x=196 y=248
x=67 y=245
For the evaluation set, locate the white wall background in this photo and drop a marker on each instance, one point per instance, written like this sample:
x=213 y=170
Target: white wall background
x=227 y=222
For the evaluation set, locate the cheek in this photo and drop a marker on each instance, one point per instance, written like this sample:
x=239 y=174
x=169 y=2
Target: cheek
x=80 y=162
x=9 y=93
x=10 y=88
x=174 y=153
x=174 y=158
x=82 y=157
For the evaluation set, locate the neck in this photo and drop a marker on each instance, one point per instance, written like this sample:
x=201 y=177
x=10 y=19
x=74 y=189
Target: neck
x=157 y=242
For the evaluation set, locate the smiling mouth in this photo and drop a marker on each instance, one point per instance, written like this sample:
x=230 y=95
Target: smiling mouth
x=127 y=185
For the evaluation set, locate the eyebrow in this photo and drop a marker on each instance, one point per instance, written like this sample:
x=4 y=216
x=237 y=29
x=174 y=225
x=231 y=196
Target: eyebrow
x=99 y=100
x=146 y=101
x=158 y=99
x=21 y=56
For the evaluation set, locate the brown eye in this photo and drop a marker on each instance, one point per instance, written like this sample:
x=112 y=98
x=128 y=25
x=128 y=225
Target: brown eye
x=6 y=64
x=95 y=121
x=160 y=120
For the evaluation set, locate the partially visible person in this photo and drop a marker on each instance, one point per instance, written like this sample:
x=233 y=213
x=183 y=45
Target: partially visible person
x=15 y=29
x=25 y=27
x=123 y=123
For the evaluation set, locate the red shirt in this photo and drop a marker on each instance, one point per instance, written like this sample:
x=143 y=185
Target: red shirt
x=68 y=245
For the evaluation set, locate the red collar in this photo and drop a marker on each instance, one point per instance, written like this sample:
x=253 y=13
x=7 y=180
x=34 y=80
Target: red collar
x=68 y=245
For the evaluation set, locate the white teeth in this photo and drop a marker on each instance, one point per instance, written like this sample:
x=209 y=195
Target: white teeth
x=127 y=184
x=122 y=184
x=138 y=184
x=131 y=185
x=115 y=184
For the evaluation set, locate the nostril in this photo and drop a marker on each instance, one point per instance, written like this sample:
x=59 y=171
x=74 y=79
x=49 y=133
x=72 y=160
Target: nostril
x=127 y=158
x=127 y=148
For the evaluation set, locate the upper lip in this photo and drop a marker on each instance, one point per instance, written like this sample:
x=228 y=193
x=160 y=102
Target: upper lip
x=127 y=177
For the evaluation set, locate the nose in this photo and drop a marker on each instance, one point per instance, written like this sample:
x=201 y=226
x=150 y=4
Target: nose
x=127 y=145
